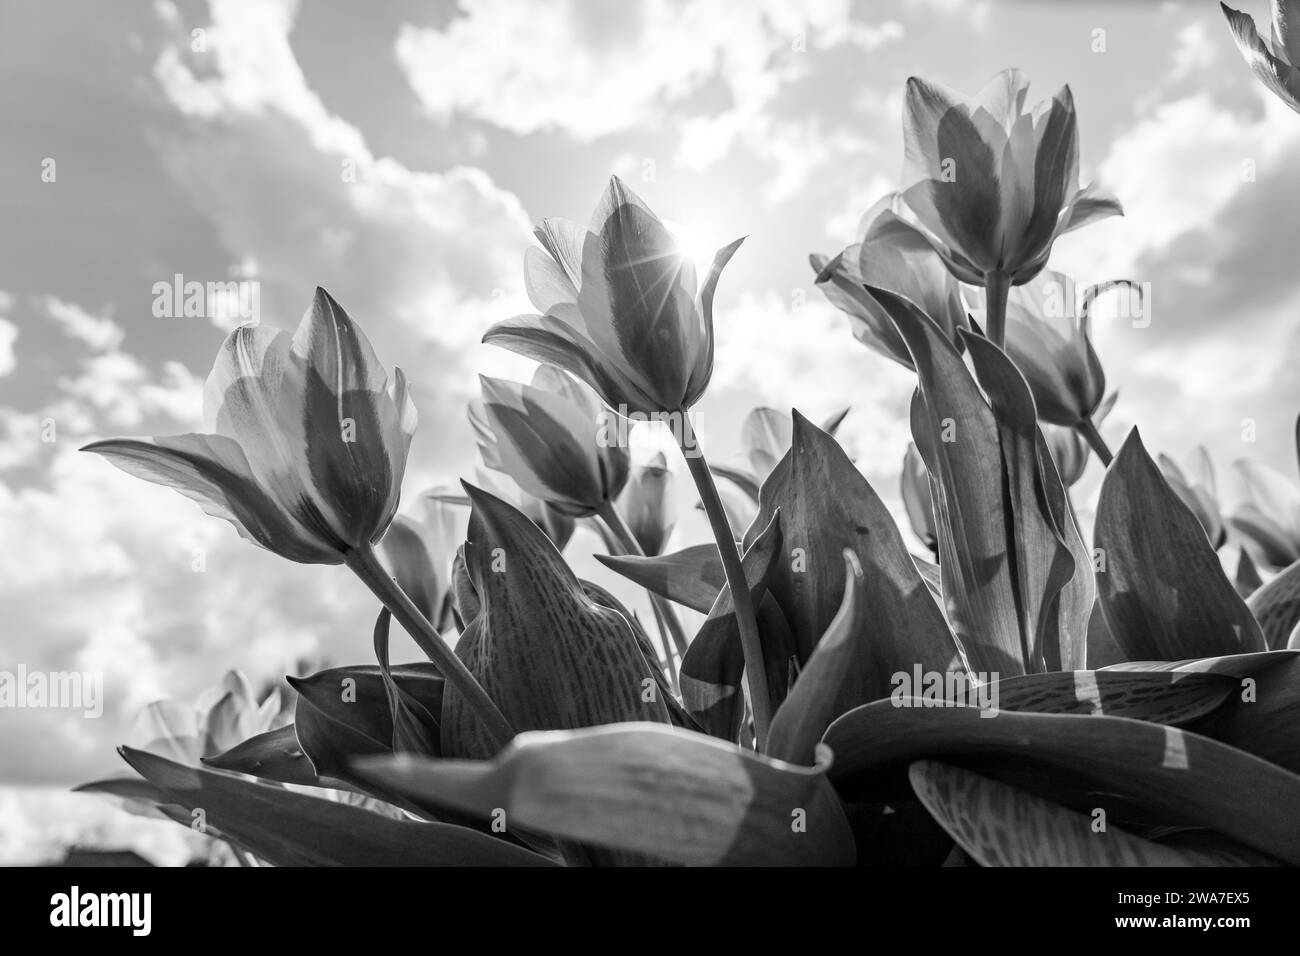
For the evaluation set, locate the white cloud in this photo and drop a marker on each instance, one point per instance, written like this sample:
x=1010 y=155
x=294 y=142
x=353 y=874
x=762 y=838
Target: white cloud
x=8 y=335
x=97 y=332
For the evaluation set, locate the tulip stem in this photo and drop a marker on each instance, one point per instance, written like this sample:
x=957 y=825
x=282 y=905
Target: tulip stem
x=741 y=599
x=997 y=285
x=623 y=534
x=663 y=610
x=1088 y=430
x=366 y=566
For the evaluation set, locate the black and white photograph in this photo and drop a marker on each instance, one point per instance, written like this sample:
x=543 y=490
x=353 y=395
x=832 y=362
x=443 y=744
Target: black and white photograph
x=659 y=433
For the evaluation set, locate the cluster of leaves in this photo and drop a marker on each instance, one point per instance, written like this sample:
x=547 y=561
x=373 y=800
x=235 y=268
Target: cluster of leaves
x=1036 y=695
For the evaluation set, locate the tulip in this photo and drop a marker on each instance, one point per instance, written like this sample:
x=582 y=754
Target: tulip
x=917 y=502
x=620 y=307
x=892 y=255
x=623 y=312
x=1069 y=448
x=1275 y=64
x=219 y=718
x=1269 y=517
x=647 y=504
x=1195 y=486
x=551 y=438
x=307 y=439
x=993 y=186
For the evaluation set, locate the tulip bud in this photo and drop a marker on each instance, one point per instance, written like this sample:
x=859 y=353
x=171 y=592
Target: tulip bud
x=621 y=308
x=551 y=437
x=307 y=439
x=647 y=504
x=993 y=186
x=895 y=256
x=1051 y=347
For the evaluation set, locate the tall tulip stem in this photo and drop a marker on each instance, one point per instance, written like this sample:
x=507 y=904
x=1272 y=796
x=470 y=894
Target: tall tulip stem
x=1088 y=430
x=627 y=540
x=742 y=601
x=997 y=285
x=365 y=565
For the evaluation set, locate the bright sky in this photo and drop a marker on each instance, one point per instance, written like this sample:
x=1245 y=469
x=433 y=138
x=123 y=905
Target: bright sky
x=219 y=141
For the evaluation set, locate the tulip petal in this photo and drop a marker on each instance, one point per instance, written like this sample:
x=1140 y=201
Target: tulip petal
x=1275 y=73
x=1088 y=205
x=694 y=800
x=213 y=471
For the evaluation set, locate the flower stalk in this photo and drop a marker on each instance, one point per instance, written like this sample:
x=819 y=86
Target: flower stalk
x=365 y=565
x=997 y=286
x=1092 y=436
x=741 y=599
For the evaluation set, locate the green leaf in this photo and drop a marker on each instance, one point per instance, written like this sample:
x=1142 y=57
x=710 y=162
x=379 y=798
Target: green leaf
x=1134 y=770
x=415 y=728
x=828 y=507
x=1234 y=665
x=1053 y=567
x=647 y=789
x=999 y=825
x=1276 y=605
x=344 y=712
x=816 y=698
x=713 y=665
x=1163 y=590
x=1262 y=716
x=959 y=440
x=1161 y=697
x=291 y=829
x=549 y=656
x=691 y=577
x=275 y=755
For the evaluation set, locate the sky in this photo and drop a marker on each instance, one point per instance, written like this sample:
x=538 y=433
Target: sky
x=397 y=153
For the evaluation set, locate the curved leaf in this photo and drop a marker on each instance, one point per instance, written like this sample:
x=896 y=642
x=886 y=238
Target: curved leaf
x=1135 y=770
x=275 y=755
x=643 y=788
x=691 y=577
x=1000 y=825
x=549 y=656
x=1276 y=605
x=292 y=829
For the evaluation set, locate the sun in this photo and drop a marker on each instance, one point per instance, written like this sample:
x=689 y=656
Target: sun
x=691 y=242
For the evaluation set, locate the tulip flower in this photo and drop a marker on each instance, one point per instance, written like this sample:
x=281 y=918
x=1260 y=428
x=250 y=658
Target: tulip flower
x=917 y=502
x=1276 y=64
x=647 y=504
x=1050 y=342
x=551 y=437
x=1069 y=449
x=893 y=255
x=1269 y=517
x=1195 y=486
x=621 y=308
x=307 y=439
x=993 y=186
